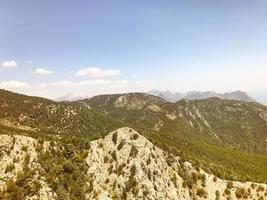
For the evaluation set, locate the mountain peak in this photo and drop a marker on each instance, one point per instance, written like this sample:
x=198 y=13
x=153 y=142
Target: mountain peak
x=125 y=165
x=195 y=95
x=130 y=167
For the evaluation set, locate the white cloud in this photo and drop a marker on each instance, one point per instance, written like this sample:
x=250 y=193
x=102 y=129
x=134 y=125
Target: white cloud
x=9 y=64
x=13 y=85
x=42 y=71
x=67 y=84
x=97 y=72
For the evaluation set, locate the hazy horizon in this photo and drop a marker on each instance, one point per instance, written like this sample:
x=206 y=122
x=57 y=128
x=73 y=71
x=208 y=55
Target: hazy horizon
x=52 y=49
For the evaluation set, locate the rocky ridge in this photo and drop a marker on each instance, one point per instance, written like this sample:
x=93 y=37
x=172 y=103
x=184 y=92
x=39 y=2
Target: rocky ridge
x=125 y=165
x=121 y=165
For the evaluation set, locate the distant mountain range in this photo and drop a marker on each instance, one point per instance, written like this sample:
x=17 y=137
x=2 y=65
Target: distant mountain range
x=72 y=97
x=174 y=97
x=194 y=95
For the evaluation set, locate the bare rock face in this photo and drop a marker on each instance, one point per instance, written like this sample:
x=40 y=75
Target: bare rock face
x=125 y=165
x=134 y=101
x=18 y=162
x=122 y=165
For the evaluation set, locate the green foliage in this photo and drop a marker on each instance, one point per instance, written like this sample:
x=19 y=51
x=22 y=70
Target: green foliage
x=201 y=192
x=231 y=148
x=217 y=193
x=115 y=137
x=24 y=148
x=10 y=167
x=239 y=193
x=236 y=152
x=230 y=184
x=52 y=117
x=133 y=152
x=134 y=136
x=114 y=156
x=227 y=191
x=121 y=144
x=23 y=187
x=65 y=169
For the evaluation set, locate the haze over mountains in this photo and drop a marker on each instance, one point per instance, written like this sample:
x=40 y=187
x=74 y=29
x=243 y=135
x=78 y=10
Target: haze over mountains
x=192 y=95
x=174 y=97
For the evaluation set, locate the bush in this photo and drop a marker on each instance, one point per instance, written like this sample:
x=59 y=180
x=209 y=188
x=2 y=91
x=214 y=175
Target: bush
x=26 y=161
x=260 y=189
x=121 y=144
x=240 y=192
x=230 y=184
x=120 y=168
x=114 y=156
x=24 y=148
x=68 y=168
x=217 y=193
x=133 y=170
x=133 y=152
x=10 y=167
x=115 y=137
x=227 y=191
x=134 y=136
x=13 y=191
x=106 y=159
x=201 y=192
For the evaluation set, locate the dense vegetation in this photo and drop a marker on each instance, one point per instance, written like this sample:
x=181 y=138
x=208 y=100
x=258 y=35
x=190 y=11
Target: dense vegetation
x=62 y=164
x=47 y=116
x=227 y=138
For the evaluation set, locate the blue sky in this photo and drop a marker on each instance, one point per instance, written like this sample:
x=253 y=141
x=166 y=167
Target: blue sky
x=52 y=48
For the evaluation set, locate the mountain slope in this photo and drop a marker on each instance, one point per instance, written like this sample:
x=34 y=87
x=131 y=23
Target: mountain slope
x=122 y=165
x=39 y=114
x=225 y=137
x=240 y=125
x=222 y=135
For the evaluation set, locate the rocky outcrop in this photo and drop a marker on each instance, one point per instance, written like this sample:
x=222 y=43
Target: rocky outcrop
x=125 y=165
x=122 y=165
x=20 y=171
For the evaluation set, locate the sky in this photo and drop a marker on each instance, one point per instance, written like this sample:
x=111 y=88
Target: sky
x=84 y=48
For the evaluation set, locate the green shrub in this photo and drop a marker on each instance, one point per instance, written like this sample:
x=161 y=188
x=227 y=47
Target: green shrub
x=230 y=184
x=121 y=144
x=227 y=191
x=106 y=159
x=24 y=148
x=68 y=168
x=13 y=191
x=201 y=192
x=134 y=136
x=10 y=167
x=217 y=193
x=134 y=151
x=115 y=137
x=114 y=156
x=240 y=192
x=133 y=170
